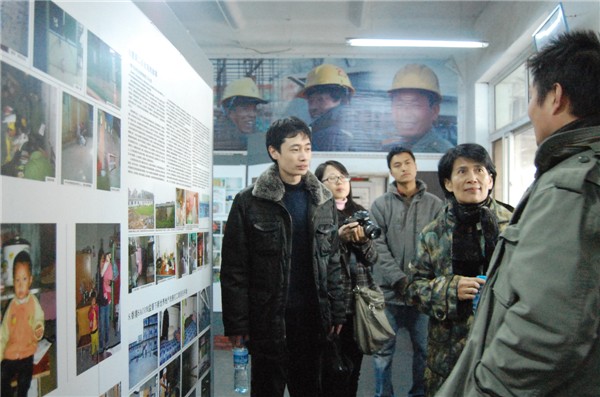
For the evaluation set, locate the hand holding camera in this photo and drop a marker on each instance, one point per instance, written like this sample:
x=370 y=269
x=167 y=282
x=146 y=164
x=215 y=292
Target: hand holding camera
x=362 y=226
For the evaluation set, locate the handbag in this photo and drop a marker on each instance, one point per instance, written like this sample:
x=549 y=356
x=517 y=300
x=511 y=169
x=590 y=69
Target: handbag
x=371 y=326
x=336 y=366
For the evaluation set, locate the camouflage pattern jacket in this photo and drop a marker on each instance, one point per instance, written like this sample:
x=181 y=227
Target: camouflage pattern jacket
x=433 y=289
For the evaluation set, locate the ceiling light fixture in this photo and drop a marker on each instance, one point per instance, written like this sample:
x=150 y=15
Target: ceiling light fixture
x=416 y=43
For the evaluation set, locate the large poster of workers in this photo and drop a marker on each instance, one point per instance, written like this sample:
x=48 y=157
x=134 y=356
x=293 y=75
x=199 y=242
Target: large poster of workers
x=352 y=105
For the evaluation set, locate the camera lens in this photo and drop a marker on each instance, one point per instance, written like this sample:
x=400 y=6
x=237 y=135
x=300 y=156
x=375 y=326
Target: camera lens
x=371 y=230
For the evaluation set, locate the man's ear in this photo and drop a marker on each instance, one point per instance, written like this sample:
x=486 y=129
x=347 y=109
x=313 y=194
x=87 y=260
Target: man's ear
x=436 y=111
x=273 y=153
x=560 y=101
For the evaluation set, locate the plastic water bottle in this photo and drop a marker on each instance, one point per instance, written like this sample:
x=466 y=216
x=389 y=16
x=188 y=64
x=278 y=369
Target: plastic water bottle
x=240 y=370
x=476 y=299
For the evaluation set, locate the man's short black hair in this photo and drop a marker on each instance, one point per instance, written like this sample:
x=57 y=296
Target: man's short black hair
x=230 y=104
x=397 y=150
x=335 y=91
x=284 y=128
x=22 y=257
x=471 y=151
x=573 y=61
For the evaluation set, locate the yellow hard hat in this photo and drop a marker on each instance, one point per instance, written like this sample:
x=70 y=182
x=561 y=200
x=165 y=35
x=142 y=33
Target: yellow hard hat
x=326 y=75
x=416 y=77
x=245 y=87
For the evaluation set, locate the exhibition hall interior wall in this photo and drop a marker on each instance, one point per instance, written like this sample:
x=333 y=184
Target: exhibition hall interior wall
x=106 y=201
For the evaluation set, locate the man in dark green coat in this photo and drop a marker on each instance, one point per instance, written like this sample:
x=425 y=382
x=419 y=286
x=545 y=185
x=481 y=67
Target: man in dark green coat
x=536 y=332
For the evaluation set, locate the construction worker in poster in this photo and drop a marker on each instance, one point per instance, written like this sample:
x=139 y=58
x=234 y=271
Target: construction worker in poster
x=239 y=105
x=328 y=90
x=415 y=96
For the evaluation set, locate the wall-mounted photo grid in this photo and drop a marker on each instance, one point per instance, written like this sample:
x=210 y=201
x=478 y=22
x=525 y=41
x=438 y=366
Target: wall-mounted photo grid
x=113 y=137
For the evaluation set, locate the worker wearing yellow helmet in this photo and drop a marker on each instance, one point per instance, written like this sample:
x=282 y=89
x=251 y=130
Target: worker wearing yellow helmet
x=416 y=97
x=327 y=90
x=239 y=104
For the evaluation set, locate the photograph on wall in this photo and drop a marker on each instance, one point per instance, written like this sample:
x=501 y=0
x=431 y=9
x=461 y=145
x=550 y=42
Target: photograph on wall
x=352 y=105
x=217 y=243
x=28 y=129
x=207 y=252
x=180 y=207
x=114 y=391
x=165 y=249
x=189 y=368
x=77 y=142
x=189 y=317
x=217 y=227
x=219 y=202
x=201 y=250
x=170 y=333
x=169 y=380
x=148 y=388
x=183 y=266
x=204 y=389
x=143 y=348
x=192 y=201
x=204 y=211
x=204 y=353
x=204 y=306
x=108 y=166
x=103 y=71
x=58 y=44
x=193 y=251
x=165 y=208
x=28 y=309
x=14 y=26
x=140 y=204
x=97 y=292
x=141 y=262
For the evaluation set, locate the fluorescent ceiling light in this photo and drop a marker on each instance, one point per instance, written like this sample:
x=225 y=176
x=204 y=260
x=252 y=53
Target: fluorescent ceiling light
x=416 y=43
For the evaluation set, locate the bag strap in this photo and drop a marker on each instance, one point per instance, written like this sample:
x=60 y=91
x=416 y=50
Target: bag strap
x=364 y=278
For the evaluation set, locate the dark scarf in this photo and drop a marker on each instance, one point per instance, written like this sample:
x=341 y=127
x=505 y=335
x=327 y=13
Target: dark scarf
x=474 y=237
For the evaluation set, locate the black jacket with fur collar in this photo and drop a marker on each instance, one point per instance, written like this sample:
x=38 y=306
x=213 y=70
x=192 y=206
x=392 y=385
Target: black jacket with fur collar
x=255 y=265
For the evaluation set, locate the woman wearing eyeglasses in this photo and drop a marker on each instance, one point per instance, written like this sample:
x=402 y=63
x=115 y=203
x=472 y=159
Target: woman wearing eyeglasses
x=352 y=241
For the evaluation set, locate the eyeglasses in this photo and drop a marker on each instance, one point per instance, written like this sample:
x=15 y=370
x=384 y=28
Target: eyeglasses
x=336 y=179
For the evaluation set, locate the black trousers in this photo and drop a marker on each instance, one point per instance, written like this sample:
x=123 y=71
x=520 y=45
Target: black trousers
x=297 y=366
x=23 y=369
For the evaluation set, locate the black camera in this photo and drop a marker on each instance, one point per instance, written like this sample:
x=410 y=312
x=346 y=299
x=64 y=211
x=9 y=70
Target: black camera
x=372 y=231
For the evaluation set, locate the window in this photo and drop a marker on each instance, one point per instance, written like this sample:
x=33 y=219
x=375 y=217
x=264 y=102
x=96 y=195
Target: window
x=498 y=159
x=521 y=169
x=510 y=98
x=512 y=138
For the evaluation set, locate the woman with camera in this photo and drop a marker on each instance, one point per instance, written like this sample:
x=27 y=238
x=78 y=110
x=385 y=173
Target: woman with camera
x=353 y=240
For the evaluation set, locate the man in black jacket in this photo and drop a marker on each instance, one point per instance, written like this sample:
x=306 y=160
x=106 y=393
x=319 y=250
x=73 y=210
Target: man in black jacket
x=280 y=273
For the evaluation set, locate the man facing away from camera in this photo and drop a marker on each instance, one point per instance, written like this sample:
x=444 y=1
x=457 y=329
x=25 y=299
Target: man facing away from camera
x=401 y=213
x=280 y=273
x=538 y=320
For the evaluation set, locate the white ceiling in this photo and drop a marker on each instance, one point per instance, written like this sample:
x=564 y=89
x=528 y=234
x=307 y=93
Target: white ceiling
x=248 y=28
